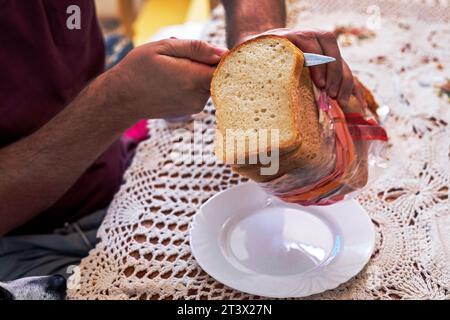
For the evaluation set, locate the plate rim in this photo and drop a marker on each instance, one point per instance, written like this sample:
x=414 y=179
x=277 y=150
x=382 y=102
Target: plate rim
x=348 y=276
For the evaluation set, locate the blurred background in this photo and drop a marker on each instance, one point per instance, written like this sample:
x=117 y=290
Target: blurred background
x=145 y=20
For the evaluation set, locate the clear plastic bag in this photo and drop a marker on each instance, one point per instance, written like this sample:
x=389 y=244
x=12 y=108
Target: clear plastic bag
x=356 y=145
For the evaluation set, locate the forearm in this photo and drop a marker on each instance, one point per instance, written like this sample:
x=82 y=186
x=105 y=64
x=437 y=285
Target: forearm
x=249 y=17
x=37 y=170
x=164 y=79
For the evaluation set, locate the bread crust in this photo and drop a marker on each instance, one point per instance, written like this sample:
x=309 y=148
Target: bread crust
x=293 y=99
x=294 y=160
x=310 y=152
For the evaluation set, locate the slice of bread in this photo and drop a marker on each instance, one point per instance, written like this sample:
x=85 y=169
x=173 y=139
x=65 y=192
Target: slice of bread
x=294 y=160
x=313 y=151
x=262 y=84
x=255 y=90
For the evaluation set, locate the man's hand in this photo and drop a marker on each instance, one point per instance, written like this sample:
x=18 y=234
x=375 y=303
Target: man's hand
x=168 y=78
x=248 y=18
x=336 y=77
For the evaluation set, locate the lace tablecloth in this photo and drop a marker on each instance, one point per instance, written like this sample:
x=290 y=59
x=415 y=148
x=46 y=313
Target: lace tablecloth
x=402 y=53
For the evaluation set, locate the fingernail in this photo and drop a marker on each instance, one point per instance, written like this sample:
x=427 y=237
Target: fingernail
x=321 y=83
x=220 y=51
x=332 y=92
x=343 y=102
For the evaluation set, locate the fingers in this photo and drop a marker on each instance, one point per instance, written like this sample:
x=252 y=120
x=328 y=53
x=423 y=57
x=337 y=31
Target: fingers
x=334 y=69
x=347 y=84
x=194 y=76
x=336 y=77
x=204 y=78
x=195 y=50
x=307 y=42
x=199 y=88
x=358 y=93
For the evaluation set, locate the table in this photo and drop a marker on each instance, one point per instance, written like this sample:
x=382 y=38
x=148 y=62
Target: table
x=144 y=250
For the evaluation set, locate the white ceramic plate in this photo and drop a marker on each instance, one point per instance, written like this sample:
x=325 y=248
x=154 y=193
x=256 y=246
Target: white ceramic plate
x=271 y=248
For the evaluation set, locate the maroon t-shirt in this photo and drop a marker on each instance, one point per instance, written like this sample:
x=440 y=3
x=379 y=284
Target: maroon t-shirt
x=43 y=66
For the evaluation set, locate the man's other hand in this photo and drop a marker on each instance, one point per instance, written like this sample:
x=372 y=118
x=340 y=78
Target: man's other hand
x=336 y=77
x=168 y=78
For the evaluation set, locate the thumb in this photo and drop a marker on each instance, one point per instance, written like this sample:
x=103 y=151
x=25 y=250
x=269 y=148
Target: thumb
x=195 y=50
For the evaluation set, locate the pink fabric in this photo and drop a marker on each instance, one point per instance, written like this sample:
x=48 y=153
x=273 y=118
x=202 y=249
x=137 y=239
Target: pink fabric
x=138 y=132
